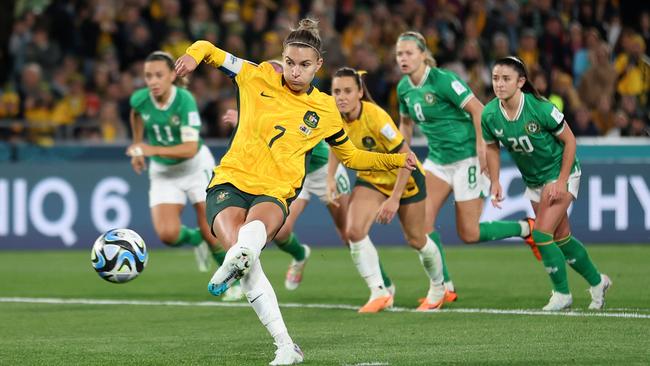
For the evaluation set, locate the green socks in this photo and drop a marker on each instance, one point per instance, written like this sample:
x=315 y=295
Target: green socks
x=218 y=253
x=188 y=236
x=578 y=258
x=292 y=246
x=387 y=282
x=495 y=230
x=436 y=239
x=553 y=260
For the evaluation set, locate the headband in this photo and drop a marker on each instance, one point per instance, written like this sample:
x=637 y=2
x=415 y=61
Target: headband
x=304 y=44
x=417 y=41
x=513 y=58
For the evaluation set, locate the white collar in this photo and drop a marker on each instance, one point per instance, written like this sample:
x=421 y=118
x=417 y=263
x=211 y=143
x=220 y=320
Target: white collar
x=168 y=103
x=423 y=80
x=519 y=108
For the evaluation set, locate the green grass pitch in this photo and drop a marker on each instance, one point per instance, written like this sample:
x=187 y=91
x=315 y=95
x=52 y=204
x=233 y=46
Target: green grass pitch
x=192 y=331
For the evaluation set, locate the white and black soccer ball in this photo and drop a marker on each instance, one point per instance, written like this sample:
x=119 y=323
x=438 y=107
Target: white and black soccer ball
x=119 y=255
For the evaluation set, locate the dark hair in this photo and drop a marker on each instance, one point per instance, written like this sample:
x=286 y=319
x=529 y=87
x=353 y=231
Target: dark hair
x=306 y=35
x=358 y=78
x=518 y=65
x=161 y=56
x=169 y=61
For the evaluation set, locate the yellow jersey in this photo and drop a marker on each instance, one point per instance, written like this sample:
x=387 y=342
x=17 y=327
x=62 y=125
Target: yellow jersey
x=277 y=129
x=375 y=131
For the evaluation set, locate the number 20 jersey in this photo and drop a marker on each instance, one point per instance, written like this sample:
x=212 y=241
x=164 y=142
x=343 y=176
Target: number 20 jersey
x=529 y=137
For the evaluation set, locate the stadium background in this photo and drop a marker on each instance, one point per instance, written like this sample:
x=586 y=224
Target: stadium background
x=71 y=66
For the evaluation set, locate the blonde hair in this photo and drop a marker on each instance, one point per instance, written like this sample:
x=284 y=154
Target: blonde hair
x=421 y=42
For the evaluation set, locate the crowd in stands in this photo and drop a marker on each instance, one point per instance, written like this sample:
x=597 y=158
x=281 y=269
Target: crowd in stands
x=75 y=63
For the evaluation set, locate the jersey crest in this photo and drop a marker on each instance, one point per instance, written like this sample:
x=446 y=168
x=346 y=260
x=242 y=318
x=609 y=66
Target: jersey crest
x=369 y=142
x=429 y=98
x=532 y=127
x=311 y=119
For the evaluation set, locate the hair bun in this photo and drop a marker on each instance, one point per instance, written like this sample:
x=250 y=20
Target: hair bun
x=308 y=24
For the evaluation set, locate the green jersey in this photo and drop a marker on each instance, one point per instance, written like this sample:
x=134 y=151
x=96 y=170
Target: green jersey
x=529 y=137
x=436 y=105
x=176 y=122
x=319 y=156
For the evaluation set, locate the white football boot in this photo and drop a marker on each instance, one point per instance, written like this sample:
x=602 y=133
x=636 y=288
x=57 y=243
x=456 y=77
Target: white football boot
x=558 y=301
x=236 y=266
x=288 y=354
x=294 y=273
x=598 y=292
x=203 y=256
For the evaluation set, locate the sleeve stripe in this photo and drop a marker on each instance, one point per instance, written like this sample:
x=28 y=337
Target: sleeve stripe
x=559 y=129
x=397 y=148
x=466 y=100
x=337 y=143
x=335 y=136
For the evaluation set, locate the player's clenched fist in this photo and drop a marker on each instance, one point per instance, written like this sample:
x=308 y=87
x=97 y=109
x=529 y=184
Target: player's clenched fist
x=411 y=161
x=185 y=65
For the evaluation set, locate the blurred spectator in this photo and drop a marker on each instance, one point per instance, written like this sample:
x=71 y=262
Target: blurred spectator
x=551 y=44
x=471 y=68
x=599 y=79
x=38 y=117
x=500 y=47
x=633 y=67
x=528 y=51
x=638 y=126
x=112 y=129
x=73 y=106
x=644 y=30
x=254 y=35
x=603 y=116
x=41 y=51
x=580 y=61
x=582 y=124
x=31 y=84
x=176 y=43
x=621 y=125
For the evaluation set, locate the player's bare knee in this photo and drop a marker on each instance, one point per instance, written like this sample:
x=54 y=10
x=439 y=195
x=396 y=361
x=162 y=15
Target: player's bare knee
x=416 y=241
x=561 y=233
x=169 y=236
x=469 y=236
x=356 y=234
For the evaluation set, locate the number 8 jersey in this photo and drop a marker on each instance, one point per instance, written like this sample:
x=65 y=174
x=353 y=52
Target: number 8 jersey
x=529 y=137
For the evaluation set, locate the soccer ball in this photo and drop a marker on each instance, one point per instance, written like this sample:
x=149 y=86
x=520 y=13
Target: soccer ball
x=119 y=255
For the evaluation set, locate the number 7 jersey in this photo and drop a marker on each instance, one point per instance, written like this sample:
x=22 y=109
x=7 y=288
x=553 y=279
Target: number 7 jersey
x=529 y=137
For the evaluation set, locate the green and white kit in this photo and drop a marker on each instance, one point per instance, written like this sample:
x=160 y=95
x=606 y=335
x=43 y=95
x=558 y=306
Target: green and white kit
x=176 y=122
x=316 y=179
x=436 y=106
x=530 y=138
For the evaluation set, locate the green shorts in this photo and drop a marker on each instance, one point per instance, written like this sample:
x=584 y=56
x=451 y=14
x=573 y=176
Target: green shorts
x=227 y=195
x=420 y=182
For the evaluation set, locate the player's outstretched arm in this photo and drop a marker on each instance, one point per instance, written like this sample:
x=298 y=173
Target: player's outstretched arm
x=204 y=51
x=357 y=159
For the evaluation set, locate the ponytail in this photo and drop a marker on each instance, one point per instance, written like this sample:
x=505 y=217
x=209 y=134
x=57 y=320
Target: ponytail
x=358 y=78
x=518 y=65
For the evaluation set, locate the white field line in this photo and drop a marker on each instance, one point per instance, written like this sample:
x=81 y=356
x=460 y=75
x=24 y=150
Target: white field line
x=623 y=313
